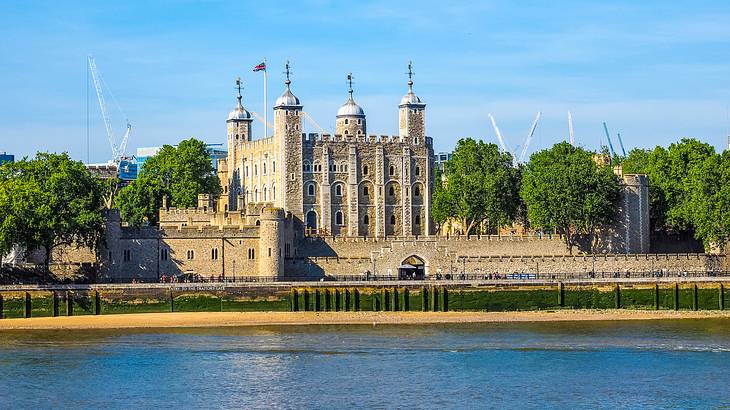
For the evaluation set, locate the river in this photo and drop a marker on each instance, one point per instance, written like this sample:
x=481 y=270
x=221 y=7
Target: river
x=646 y=364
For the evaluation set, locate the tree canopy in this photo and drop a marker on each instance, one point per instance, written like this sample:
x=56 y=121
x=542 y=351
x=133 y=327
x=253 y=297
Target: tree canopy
x=49 y=201
x=481 y=187
x=564 y=189
x=179 y=173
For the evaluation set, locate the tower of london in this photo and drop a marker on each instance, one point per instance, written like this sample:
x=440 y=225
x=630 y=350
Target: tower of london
x=301 y=205
x=348 y=184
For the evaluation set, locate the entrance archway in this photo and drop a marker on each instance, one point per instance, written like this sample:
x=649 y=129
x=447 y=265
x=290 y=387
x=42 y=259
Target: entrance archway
x=311 y=222
x=412 y=268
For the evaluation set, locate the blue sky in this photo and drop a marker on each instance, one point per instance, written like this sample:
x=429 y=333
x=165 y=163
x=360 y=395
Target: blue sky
x=655 y=71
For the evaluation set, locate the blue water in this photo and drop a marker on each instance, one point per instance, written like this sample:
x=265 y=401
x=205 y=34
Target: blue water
x=654 y=364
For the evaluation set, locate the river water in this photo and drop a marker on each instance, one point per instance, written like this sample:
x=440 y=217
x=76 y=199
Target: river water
x=647 y=364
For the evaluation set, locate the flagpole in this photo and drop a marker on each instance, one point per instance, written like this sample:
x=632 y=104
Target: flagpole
x=266 y=105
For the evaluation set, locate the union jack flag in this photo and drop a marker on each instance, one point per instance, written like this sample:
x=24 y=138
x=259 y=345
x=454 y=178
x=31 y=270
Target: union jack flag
x=260 y=67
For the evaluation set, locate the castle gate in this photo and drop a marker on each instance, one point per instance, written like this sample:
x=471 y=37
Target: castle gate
x=412 y=267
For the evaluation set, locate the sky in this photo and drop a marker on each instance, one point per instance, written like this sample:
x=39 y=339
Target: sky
x=654 y=71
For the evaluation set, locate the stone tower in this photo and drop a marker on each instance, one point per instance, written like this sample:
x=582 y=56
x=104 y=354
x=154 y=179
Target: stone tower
x=239 y=132
x=350 y=117
x=271 y=235
x=288 y=139
x=412 y=114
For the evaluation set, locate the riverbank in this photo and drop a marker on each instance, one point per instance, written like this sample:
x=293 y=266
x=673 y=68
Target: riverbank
x=222 y=319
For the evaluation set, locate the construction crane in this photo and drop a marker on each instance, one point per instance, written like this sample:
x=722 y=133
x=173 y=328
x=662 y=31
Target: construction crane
x=319 y=127
x=529 y=137
x=262 y=120
x=621 y=143
x=502 y=145
x=570 y=128
x=118 y=150
x=608 y=137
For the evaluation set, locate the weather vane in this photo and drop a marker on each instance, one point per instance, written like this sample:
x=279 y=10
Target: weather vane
x=349 y=82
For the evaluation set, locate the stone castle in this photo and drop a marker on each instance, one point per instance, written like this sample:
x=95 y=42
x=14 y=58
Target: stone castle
x=298 y=205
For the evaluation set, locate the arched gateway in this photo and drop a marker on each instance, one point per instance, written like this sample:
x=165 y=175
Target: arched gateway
x=413 y=268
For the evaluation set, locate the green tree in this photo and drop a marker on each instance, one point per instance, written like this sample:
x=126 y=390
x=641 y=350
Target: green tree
x=481 y=186
x=47 y=202
x=709 y=200
x=636 y=161
x=178 y=173
x=565 y=189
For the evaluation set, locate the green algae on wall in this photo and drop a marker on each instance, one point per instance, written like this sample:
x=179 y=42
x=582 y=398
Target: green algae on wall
x=196 y=302
x=503 y=299
x=13 y=305
x=637 y=296
x=41 y=304
x=119 y=301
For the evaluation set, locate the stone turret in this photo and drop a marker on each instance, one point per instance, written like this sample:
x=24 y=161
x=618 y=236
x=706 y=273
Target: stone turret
x=271 y=236
x=288 y=140
x=350 y=117
x=412 y=114
x=239 y=132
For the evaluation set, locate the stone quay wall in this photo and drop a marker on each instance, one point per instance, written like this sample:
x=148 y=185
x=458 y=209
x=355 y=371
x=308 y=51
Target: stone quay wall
x=73 y=300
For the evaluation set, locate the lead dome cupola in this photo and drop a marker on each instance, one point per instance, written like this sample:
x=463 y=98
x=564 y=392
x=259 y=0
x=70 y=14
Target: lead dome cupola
x=287 y=99
x=350 y=107
x=239 y=113
x=411 y=99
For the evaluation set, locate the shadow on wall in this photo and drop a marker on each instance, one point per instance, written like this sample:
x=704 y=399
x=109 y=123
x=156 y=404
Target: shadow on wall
x=675 y=243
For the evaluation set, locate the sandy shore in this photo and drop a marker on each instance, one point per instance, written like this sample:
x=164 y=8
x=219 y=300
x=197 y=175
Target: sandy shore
x=160 y=320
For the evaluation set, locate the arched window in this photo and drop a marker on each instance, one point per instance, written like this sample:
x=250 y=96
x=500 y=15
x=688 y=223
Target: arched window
x=343 y=167
x=307 y=166
x=258 y=222
x=256 y=195
x=346 y=122
x=333 y=167
x=416 y=191
x=264 y=168
x=391 y=191
x=273 y=166
x=310 y=189
x=359 y=121
x=417 y=220
x=256 y=170
x=273 y=192
x=346 y=131
x=265 y=197
x=339 y=219
x=247 y=170
x=338 y=190
x=364 y=169
x=392 y=170
x=418 y=170
x=365 y=220
x=317 y=166
x=392 y=219
x=365 y=191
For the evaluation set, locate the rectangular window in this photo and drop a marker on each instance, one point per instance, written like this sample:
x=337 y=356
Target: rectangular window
x=190 y=255
x=127 y=255
x=214 y=254
x=269 y=252
x=163 y=254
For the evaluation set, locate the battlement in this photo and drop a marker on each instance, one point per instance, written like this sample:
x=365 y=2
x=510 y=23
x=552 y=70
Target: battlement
x=259 y=143
x=313 y=138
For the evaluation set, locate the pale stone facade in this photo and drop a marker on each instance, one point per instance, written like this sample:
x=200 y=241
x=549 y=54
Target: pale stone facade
x=347 y=184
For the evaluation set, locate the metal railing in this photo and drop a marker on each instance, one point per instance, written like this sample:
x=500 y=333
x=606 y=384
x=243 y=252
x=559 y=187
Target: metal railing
x=431 y=278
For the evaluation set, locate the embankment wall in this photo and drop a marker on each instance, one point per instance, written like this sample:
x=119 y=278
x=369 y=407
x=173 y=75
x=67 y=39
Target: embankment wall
x=691 y=294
